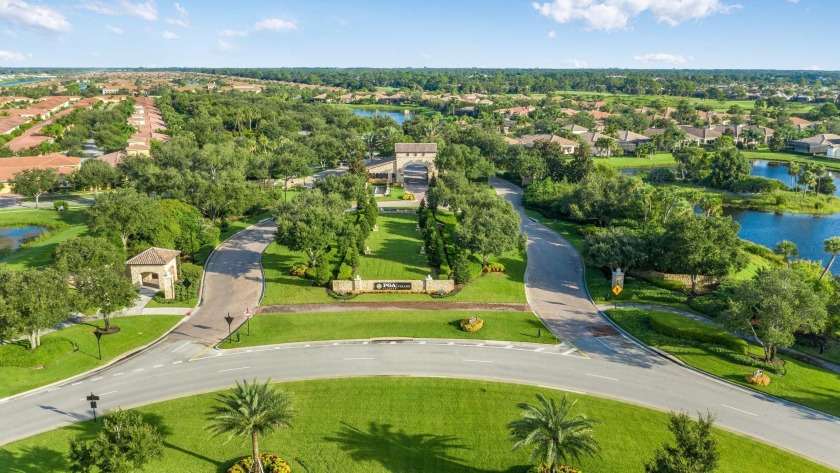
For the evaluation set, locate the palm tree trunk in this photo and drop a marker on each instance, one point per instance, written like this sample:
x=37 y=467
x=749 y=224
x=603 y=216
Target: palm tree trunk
x=828 y=266
x=256 y=467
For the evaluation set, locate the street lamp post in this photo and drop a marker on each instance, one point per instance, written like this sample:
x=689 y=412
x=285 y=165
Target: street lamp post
x=229 y=321
x=248 y=318
x=98 y=343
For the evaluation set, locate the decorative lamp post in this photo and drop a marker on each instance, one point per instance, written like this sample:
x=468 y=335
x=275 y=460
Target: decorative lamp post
x=229 y=321
x=248 y=318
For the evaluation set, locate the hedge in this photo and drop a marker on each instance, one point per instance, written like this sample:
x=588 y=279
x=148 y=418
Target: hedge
x=688 y=329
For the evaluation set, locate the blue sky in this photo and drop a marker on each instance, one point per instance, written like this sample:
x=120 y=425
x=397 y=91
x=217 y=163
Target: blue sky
x=777 y=34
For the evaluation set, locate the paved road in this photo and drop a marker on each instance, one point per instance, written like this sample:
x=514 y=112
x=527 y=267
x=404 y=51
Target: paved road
x=616 y=368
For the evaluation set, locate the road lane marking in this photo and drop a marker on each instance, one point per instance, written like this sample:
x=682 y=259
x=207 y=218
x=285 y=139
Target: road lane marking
x=561 y=389
x=53 y=389
x=422 y=343
x=478 y=361
x=180 y=347
x=540 y=349
x=365 y=343
x=234 y=369
x=109 y=392
x=567 y=352
x=119 y=374
x=176 y=362
x=602 y=343
x=76 y=384
x=157 y=366
x=739 y=410
x=97 y=379
x=480 y=345
x=351 y=359
x=138 y=369
x=599 y=376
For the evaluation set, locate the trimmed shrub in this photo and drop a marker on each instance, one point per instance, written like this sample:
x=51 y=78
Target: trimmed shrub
x=494 y=268
x=61 y=204
x=444 y=272
x=472 y=324
x=298 y=269
x=661 y=175
x=271 y=464
x=460 y=268
x=345 y=272
x=322 y=273
x=407 y=197
x=687 y=329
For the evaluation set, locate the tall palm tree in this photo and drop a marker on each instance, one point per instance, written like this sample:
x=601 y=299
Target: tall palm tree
x=787 y=250
x=830 y=245
x=793 y=172
x=553 y=432
x=251 y=410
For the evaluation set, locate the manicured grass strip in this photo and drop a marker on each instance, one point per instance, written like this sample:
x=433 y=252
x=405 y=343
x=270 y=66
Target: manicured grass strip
x=395 y=250
x=378 y=425
x=135 y=331
x=657 y=160
x=283 y=328
x=803 y=383
x=40 y=253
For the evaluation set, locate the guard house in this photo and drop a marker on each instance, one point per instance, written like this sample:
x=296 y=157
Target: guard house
x=156 y=268
x=407 y=154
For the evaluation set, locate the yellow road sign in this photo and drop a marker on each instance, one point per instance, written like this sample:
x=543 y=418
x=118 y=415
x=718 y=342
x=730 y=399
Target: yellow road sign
x=616 y=290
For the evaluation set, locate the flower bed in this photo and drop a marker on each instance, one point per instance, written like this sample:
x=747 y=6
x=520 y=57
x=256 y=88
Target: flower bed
x=271 y=464
x=472 y=324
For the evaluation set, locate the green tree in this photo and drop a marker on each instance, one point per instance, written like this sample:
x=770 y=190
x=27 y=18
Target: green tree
x=553 y=432
x=34 y=300
x=793 y=171
x=830 y=245
x=775 y=304
x=787 y=250
x=125 y=444
x=251 y=410
x=696 y=450
x=87 y=252
x=291 y=163
x=696 y=245
x=489 y=227
x=605 y=144
x=310 y=223
x=615 y=248
x=107 y=290
x=646 y=150
x=182 y=227
x=728 y=166
x=34 y=182
x=710 y=204
x=124 y=213
x=95 y=174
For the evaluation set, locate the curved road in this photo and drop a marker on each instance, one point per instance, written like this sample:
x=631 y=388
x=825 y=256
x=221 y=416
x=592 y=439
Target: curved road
x=616 y=368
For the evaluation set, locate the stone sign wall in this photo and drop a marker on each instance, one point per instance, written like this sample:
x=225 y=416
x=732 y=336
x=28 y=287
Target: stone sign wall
x=358 y=286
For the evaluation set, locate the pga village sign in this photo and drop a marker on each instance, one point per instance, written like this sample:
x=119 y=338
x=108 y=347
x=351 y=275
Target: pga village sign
x=360 y=286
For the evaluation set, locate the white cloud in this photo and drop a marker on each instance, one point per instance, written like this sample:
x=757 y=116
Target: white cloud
x=615 y=14
x=232 y=33
x=551 y=34
x=18 y=12
x=574 y=63
x=114 y=29
x=144 y=10
x=169 y=35
x=794 y=1
x=184 y=17
x=663 y=58
x=10 y=56
x=813 y=68
x=225 y=47
x=275 y=24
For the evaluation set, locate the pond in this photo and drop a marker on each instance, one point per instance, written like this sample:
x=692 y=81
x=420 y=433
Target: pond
x=397 y=115
x=806 y=231
x=19 y=82
x=12 y=237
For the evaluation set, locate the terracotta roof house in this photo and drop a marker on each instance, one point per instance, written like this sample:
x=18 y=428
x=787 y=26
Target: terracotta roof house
x=112 y=158
x=10 y=124
x=567 y=145
x=703 y=136
x=590 y=138
x=651 y=132
x=515 y=111
x=11 y=166
x=576 y=129
x=801 y=124
x=817 y=144
x=154 y=256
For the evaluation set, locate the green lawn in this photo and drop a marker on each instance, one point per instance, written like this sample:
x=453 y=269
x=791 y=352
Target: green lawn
x=657 y=160
x=267 y=329
x=135 y=331
x=40 y=253
x=396 y=194
x=379 y=425
x=803 y=383
x=395 y=250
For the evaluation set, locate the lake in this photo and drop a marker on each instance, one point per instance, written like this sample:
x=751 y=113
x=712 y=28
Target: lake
x=768 y=229
x=12 y=237
x=778 y=171
x=397 y=115
x=19 y=82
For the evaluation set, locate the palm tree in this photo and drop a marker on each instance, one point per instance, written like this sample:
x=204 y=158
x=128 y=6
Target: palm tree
x=830 y=245
x=251 y=410
x=553 y=432
x=787 y=250
x=793 y=171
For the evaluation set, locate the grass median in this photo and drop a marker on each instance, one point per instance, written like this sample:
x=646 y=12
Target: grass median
x=266 y=329
x=22 y=369
x=378 y=425
x=802 y=383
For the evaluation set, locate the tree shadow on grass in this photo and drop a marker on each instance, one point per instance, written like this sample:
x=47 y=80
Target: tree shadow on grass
x=30 y=459
x=397 y=450
x=159 y=422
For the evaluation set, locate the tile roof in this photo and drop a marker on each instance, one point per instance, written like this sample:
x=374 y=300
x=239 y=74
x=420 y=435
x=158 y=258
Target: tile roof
x=415 y=147
x=154 y=256
x=62 y=164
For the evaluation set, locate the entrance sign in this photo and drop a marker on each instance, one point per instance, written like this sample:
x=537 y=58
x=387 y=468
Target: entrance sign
x=392 y=286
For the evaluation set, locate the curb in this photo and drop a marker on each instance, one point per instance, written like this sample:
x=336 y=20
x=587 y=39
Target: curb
x=119 y=359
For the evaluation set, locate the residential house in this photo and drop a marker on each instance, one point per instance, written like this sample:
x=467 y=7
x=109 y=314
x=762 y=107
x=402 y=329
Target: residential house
x=576 y=129
x=818 y=144
x=568 y=146
x=11 y=166
x=515 y=111
x=801 y=124
x=703 y=136
x=629 y=141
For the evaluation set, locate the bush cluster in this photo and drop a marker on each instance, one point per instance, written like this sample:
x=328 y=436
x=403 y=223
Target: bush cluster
x=407 y=197
x=61 y=204
x=560 y=469
x=494 y=268
x=472 y=324
x=697 y=331
x=271 y=464
x=345 y=272
x=756 y=185
x=298 y=269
